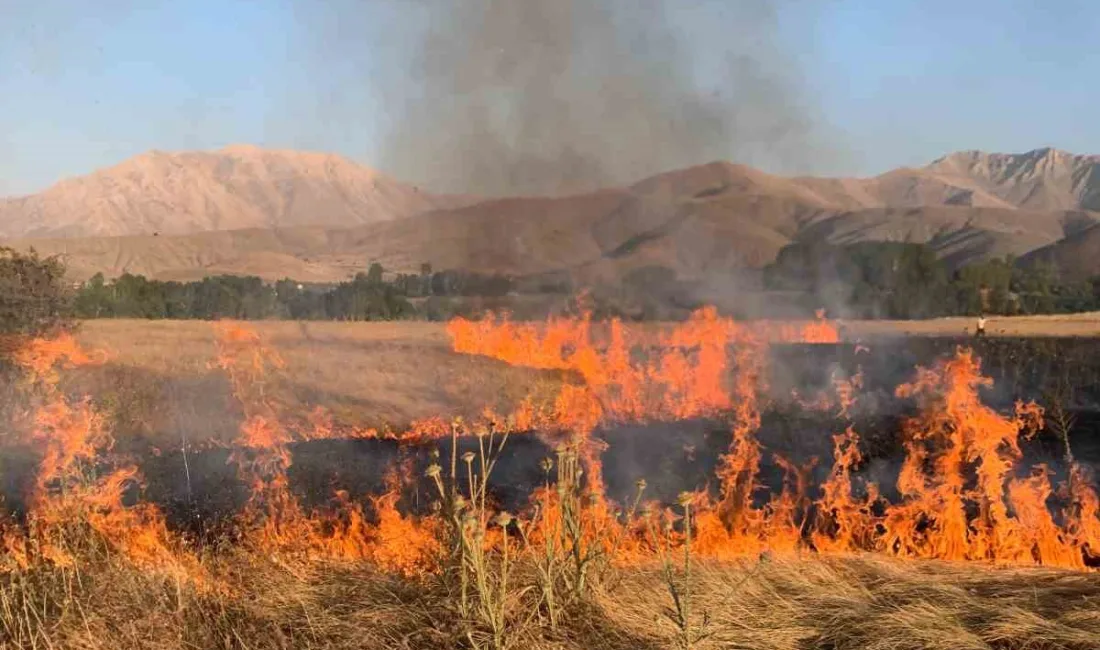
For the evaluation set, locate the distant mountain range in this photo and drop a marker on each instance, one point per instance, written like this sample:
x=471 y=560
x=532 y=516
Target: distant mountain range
x=321 y=217
x=234 y=188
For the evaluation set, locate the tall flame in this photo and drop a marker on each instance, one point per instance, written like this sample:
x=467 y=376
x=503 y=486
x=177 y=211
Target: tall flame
x=961 y=498
x=69 y=492
x=963 y=493
x=274 y=518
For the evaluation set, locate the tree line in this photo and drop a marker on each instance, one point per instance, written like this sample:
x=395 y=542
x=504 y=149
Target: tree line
x=908 y=281
x=865 y=280
x=367 y=296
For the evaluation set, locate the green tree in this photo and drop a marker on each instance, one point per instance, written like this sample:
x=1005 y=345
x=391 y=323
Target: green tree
x=984 y=287
x=179 y=300
x=425 y=279
x=363 y=299
x=866 y=279
x=374 y=274
x=919 y=285
x=1035 y=287
x=94 y=299
x=300 y=302
x=136 y=297
x=258 y=301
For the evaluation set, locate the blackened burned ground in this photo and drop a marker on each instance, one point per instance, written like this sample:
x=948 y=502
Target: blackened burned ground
x=205 y=493
x=1021 y=368
x=1059 y=374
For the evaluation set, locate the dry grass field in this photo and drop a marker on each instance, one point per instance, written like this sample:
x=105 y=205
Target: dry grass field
x=787 y=604
x=365 y=374
x=158 y=385
x=1083 y=324
x=374 y=374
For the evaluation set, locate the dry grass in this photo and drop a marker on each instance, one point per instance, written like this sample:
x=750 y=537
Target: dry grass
x=1083 y=324
x=366 y=374
x=841 y=604
x=879 y=604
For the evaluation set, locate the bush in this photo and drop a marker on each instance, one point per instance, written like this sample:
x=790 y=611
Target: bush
x=34 y=298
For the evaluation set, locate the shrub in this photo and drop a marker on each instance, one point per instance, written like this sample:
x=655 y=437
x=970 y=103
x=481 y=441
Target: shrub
x=34 y=298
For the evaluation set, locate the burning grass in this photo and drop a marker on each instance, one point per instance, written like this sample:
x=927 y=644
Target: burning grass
x=976 y=551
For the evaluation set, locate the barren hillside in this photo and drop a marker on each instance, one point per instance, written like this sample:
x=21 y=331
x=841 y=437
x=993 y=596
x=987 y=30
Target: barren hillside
x=321 y=218
x=1042 y=179
x=233 y=188
x=959 y=234
x=1077 y=257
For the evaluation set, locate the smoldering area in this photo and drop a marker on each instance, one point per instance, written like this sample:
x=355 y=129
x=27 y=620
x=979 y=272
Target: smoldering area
x=202 y=492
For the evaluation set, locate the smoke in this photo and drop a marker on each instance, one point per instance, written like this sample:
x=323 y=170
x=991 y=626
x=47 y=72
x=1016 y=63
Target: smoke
x=553 y=96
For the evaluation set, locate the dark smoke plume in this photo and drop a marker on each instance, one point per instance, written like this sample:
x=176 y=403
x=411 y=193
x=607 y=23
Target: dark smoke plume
x=555 y=96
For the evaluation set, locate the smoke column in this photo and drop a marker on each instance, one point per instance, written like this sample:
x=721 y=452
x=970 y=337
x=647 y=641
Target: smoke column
x=554 y=96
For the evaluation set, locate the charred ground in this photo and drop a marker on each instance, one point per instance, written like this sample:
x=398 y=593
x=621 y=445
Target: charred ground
x=204 y=492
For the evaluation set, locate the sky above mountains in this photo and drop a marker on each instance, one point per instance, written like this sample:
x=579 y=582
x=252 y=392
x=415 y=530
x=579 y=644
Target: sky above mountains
x=840 y=87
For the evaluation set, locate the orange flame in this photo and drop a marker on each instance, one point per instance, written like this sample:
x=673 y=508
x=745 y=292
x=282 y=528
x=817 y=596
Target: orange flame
x=963 y=496
x=959 y=501
x=74 y=438
x=274 y=518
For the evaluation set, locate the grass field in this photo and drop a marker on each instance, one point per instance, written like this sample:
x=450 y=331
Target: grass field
x=158 y=387
x=835 y=604
x=372 y=374
x=1083 y=324
x=366 y=374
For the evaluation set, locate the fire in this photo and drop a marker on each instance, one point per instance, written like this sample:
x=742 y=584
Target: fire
x=682 y=376
x=963 y=494
x=955 y=437
x=627 y=375
x=961 y=497
x=845 y=522
x=274 y=519
x=70 y=498
x=401 y=543
x=1083 y=512
x=41 y=359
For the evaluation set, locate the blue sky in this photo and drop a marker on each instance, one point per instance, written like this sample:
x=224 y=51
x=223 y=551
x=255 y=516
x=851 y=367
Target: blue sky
x=893 y=82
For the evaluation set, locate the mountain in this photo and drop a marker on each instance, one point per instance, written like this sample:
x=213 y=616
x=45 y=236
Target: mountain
x=959 y=235
x=1043 y=179
x=322 y=218
x=1076 y=257
x=233 y=188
